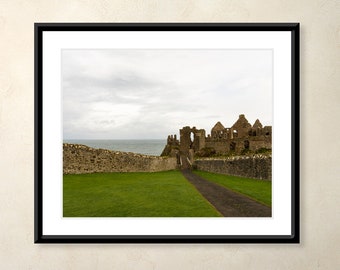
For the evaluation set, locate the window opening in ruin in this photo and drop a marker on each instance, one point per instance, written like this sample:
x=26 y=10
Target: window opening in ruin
x=191 y=140
x=232 y=146
x=235 y=133
x=192 y=137
x=246 y=144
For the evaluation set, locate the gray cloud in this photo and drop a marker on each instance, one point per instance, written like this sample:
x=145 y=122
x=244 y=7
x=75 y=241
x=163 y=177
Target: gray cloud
x=115 y=94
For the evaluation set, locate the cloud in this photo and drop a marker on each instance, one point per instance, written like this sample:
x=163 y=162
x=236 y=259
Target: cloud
x=136 y=94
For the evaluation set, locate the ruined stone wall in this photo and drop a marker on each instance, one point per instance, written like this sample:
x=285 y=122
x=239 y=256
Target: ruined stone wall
x=185 y=141
x=242 y=137
x=259 y=166
x=257 y=144
x=221 y=146
x=79 y=159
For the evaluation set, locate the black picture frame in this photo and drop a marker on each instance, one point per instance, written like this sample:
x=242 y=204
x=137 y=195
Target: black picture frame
x=40 y=29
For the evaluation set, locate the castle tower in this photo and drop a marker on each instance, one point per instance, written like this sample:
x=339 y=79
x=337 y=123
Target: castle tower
x=185 y=140
x=199 y=139
x=186 y=143
x=256 y=130
x=241 y=127
x=217 y=130
x=257 y=124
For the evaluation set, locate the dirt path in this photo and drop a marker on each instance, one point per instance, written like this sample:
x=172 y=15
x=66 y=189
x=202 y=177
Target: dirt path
x=227 y=202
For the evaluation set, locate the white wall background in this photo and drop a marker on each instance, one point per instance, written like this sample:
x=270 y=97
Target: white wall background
x=320 y=110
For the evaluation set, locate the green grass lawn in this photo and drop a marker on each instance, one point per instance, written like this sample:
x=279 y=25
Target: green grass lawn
x=258 y=190
x=160 y=194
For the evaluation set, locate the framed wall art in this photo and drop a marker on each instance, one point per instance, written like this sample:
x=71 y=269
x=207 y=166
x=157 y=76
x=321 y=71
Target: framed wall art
x=167 y=133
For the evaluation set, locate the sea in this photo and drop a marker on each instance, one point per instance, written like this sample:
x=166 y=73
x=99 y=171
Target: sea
x=146 y=147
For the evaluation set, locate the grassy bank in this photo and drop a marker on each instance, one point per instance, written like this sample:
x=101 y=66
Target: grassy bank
x=258 y=190
x=161 y=194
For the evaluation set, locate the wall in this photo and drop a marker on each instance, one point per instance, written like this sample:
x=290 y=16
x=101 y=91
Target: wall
x=223 y=140
x=320 y=173
x=258 y=166
x=220 y=146
x=79 y=158
x=223 y=146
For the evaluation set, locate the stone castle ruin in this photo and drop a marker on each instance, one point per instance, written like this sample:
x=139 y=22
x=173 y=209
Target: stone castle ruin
x=241 y=137
x=234 y=142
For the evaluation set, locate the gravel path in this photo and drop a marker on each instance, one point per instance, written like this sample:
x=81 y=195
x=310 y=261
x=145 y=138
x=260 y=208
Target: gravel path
x=227 y=202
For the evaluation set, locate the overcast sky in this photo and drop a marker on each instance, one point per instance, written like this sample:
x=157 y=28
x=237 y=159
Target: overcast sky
x=149 y=94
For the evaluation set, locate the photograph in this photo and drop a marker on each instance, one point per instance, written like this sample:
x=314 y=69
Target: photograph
x=167 y=133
